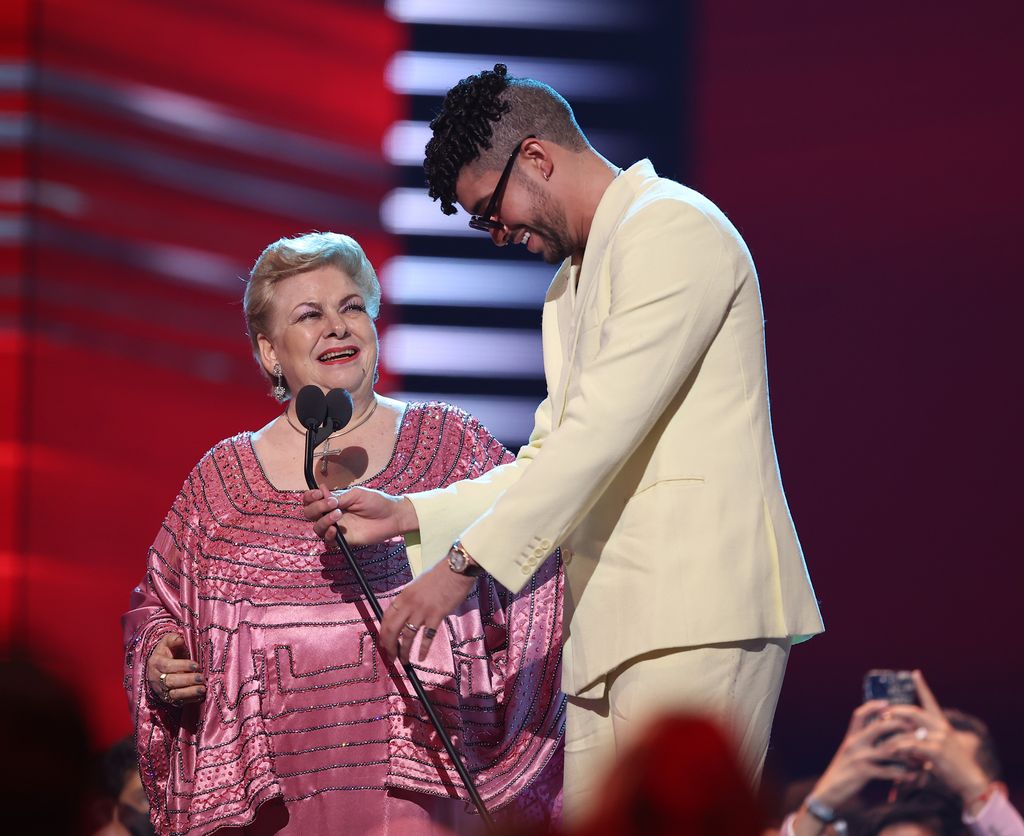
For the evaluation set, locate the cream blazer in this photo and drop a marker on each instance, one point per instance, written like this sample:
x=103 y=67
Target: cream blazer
x=651 y=462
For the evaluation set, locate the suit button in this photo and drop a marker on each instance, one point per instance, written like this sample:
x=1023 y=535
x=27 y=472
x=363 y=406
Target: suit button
x=526 y=570
x=538 y=552
x=545 y=544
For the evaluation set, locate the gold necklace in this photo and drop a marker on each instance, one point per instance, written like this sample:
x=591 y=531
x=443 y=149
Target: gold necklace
x=323 y=454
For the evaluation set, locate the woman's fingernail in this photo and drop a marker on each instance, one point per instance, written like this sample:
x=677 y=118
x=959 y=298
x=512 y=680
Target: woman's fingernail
x=195 y=667
x=199 y=678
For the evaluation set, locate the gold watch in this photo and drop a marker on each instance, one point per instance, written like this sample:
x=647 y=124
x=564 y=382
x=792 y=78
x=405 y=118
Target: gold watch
x=461 y=562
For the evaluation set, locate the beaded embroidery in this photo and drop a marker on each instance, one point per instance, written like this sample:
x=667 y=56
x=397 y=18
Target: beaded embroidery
x=300 y=702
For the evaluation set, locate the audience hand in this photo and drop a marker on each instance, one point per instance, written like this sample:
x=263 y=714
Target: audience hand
x=936 y=746
x=861 y=757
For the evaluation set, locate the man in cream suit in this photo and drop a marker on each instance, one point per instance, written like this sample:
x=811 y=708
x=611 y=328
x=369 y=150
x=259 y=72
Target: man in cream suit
x=651 y=463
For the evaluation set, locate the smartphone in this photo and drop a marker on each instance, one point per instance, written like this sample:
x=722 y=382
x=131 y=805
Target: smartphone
x=894 y=686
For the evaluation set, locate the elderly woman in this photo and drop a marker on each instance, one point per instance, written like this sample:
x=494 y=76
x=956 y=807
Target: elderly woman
x=261 y=700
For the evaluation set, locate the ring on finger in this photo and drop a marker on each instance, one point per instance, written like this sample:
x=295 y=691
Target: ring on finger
x=921 y=733
x=163 y=683
x=412 y=628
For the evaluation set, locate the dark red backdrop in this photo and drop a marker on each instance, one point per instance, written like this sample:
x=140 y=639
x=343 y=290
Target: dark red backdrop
x=165 y=146
x=871 y=157
x=867 y=154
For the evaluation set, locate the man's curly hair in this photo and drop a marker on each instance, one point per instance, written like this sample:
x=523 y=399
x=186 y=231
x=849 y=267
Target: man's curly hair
x=483 y=117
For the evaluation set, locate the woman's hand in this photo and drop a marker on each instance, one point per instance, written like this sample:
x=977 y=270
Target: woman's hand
x=366 y=516
x=172 y=676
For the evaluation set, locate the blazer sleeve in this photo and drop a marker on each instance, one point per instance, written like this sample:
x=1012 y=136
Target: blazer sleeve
x=445 y=512
x=674 y=272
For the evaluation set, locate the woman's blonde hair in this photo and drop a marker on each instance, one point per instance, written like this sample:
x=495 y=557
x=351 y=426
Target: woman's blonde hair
x=288 y=257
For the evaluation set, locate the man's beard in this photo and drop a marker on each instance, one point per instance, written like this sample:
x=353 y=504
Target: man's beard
x=550 y=224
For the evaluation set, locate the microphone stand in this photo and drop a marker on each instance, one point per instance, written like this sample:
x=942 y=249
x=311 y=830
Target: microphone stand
x=313 y=438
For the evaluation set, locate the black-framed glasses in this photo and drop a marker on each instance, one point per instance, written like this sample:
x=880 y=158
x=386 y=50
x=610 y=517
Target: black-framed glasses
x=483 y=221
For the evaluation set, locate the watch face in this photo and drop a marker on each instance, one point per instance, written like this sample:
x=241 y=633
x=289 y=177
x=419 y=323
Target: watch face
x=457 y=561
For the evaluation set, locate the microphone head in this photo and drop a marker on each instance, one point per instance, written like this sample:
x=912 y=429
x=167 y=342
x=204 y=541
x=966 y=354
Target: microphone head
x=311 y=406
x=339 y=408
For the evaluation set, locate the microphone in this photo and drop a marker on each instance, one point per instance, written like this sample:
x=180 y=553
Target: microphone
x=311 y=407
x=339 y=408
x=322 y=415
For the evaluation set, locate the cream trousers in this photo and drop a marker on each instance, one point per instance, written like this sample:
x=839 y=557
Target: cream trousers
x=736 y=684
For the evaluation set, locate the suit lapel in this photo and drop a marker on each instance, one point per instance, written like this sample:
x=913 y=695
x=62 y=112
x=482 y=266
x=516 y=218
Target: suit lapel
x=556 y=325
x=614 y=203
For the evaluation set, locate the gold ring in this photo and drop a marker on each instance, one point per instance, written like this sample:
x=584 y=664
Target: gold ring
x=411 y=627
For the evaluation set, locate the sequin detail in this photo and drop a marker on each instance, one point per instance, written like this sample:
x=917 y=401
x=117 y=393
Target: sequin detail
x=300 y=703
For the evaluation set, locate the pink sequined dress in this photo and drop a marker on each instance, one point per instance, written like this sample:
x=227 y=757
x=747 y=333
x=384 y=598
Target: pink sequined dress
x=306 y=728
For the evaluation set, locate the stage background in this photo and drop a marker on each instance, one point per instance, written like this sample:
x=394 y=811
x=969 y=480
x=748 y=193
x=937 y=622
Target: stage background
x=868 y=154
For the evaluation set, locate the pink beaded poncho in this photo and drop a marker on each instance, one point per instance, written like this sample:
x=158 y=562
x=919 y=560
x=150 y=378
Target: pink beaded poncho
x=302 y=710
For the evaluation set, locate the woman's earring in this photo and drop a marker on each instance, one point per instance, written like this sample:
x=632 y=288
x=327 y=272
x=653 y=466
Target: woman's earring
x=280 y=393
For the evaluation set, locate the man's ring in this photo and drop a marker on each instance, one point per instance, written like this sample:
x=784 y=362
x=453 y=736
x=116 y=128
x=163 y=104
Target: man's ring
x=921 y=733
x=429 y=633
x=412 y=628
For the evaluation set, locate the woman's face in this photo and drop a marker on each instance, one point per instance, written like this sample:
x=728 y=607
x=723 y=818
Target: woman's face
x=320 y=333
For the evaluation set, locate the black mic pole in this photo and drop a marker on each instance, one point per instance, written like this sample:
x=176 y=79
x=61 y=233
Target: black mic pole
x=371 y=598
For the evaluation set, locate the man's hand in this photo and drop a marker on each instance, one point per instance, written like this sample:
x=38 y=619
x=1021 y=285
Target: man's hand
x=420 y=608
x=366 y=516
x=861 y=757
x=951 y=755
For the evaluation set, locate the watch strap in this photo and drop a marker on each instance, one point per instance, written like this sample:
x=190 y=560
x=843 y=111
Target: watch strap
x=825 y=814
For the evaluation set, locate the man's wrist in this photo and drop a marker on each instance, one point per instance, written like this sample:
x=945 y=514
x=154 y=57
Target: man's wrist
x=975 y=797
x=829 y=793
x=820 y=815
x=408 y=520
x=825 y=813
x=804 y=824
x=461 y=562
